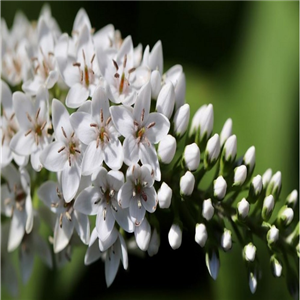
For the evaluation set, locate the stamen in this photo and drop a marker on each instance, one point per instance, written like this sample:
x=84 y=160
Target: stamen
x=93 y=125
x=143 y=115
x=147 y=141
x=4 y=114
x=28 y=117
x=136 y=123
x=19 y=207
x=116 y=65
x=73 y=133
x=125 y=61
x=12 y=116
x=60 y=220
x=53 y=204
x=104 y=213
x=70 y=160
x=144 y=196
x=150 y=125
x=81 y=77
x=111 y=193
x=108 y=121
x=68 y=216
x=83 y=54
x=78 y=151
x=37 y=113
x=106 y=135
x=34 y=58
x=63 y=131
x=61 y=149
x=114 y=208
x=3 y=139
x=76 y=64
x=93 y=58
x=144 y=184
x=36 y=137
x=36 y=69
x=28 y=132
x=101 y=115
x=133 y=193
x=50 y=54
x=98 y=142
x=117 y=75
x=96 y=202
x=131 y=70
x=139 y=204
x=43 y=125
x=7 y=201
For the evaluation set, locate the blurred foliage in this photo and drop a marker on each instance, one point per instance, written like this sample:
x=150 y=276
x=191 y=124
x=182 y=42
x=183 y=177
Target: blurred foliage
x=241 y=56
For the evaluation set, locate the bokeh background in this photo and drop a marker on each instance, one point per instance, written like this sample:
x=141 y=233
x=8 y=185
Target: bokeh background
x=244 y=58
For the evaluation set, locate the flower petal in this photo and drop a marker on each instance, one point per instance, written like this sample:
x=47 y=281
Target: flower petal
x=161 y=128
x=70 y=181
x=136 y=212
x=92 y=254
x=151 y=202
x=142 y=104
x=131 y=150
x=113 y=154
x=77 y=95
x=105 y=222
x=21 y=143
x=29 y=214
x=82 y=226
x=112 y=263
x=92 y=158
x=51 y=79
x=42 y=250
x=35 y=160
x=85 y=201
x=123 y=120
x=125 y=195
x=123 y=219
x=22 y=106
x=124 y=254
x=16 y=230
x=142 y=235
x=100 y=102
x=26 y=262
x=104 y=245
x=149 y=156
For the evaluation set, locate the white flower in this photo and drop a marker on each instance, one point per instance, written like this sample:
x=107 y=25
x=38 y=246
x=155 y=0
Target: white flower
x=187 y=183
x=192 y=156
x=9 y=127
x=181 y=119
x=154 y=243
x=68 y=217
x=226 y=240
x=207 y=209
x=16 y=203
x=164 y=196
x=240 y=175
x=243 y=208
x=97 y=131
x=220 y=187
x=230 y=148
x=201 y=234
x=65 y=154
x=33 y=117
x=213 y=264
x=166 y=100
x=138 y=193
x=142 y=234
x=141 y=130
x=226 y=131
x=101 y=200
x=249 y=159
x=167 y=149
x=46 y=74
x=175 y=236
x=249 y=252
x=212 y=150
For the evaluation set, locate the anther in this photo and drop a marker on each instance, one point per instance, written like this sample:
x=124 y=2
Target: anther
x=108 y=121
x=117 y=75
x=50 y=54
x=143 y=115
x=54 y=204
x=104 y=213
x=78 y=151
x=60 y=220
x=34 y=58
x=36 y=137
x=61 y=149
x=125 y=61
x=116 y=65
x=37 y=113
x=73 y=133
x=111 y=193
x=150 y=125
x=12 y=116
x=131 y=70
x=68 y=216
x=28 y=132
x=98 y=142
x=69 y=160
x=63 y=131
x=83 y=54
x=28 y=117
x=76 y=64
x=93 y=58
x=144 y=196
x=101 y=115
x=93 y=125
x=43 y=125
x=136 y=123
x=36 y=69
x=3 y=139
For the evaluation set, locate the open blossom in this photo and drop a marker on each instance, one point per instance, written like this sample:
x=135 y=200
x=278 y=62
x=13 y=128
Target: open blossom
x=64 y=155
x=97 y=131
x=138 y=193
x=141 y=130
x=68 y=218
x=33 y=118
x=101 y=200
x=16 y=203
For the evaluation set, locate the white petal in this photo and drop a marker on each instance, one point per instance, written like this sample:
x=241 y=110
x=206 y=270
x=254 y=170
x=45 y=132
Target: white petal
x=137 y=213
x=124 y=254
x=82 y=226
x=26 y=262
x=123 y=120
x=92 y=158
x=22 y=106
x=85 y=201
x=22 y=144
x=100 y=102
x=105 y=222
x=92 y=254
x=51 y=159
x=42 y=250
x=115 y=180
x=142 y=104
x=148 y=155
x=131 y=150
x=16 y=230
x=151 y=202
x=142 y=235
x=166 y=100
x=51 y=79
x=113 y=154
x=123 y=219
x=48 y=194
x=77 y=95
x=104 y=245
x=31 y=87
x=6 y=98
x=156 y=57
x=112 y=263
x=125 y=195
x=70 y=181
x=45 y=37
x=6 y=193
x=29 y=214
x=161 y=128
x=142 y=76
x=35 y=160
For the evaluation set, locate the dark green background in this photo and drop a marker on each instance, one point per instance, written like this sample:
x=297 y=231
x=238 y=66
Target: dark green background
x=241 y=56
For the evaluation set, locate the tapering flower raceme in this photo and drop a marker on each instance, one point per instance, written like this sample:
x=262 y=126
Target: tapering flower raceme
x=44 y=63
x=192 y=156
x=167 y=149
x=201 y=234
x=8 y=128
x=96 y=130
x=101 y=200
x=175 y=236
x=187 y=183
x=33 y=117
x=138 y=192
x=68 y=218
x=141 y=130
x=16 y=203
x=65 y=153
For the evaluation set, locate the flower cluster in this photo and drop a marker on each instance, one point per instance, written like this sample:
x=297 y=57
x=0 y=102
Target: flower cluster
x=95 y=131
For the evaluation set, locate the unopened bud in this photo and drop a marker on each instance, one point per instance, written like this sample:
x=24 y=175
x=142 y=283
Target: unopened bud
x=166 y=149
x=180 y=89
x=249 y=252
x=166 y=100
x=207 y=209
x=292 y=199
x=155 y=84
x=154 y=243
x=164 y=196
x=255 y=188
x=266 y=178
x=175 y=236
x=226 y=240
x=212 y=151
x=285 y=216
x=268 y=207
x=187 y=183
x=240 y=175
x=252 y=282
x=226 y=131
x=212 y=263
x=220 y=187
x=243 y=208
x=272 y=235
x=249 y=159
x=274 y=186
x=201 y=234
x=276 y=266
x=192 y=156
x=229 y=151
x=181 y=119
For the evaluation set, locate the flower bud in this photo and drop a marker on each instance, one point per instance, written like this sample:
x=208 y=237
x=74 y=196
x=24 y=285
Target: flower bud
x=207 y=209
x=274 y=186
x=187 y=182
x=230 y=149
x=272 y=235
x=192 y=157
x=212 y=263
x=252 y=282
x=249 y=159
x=212 y=151
x=201 y=234
x=180 y=89
x=226 y=131
x=166 y=100
x=255 y=188
x=154 y=243
x=166 y=149
x=266 y=178
x=243 y=208
x=155 y=84
x=220 y=187
x=240 y=175
x=249 y=252
x=276 y=266
x=226 y=240
x=181 y=119
x=175 y=236
x=291 y=199
x=268 y=206
x=164 y=196
x=196 y=119
x=285 y=216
